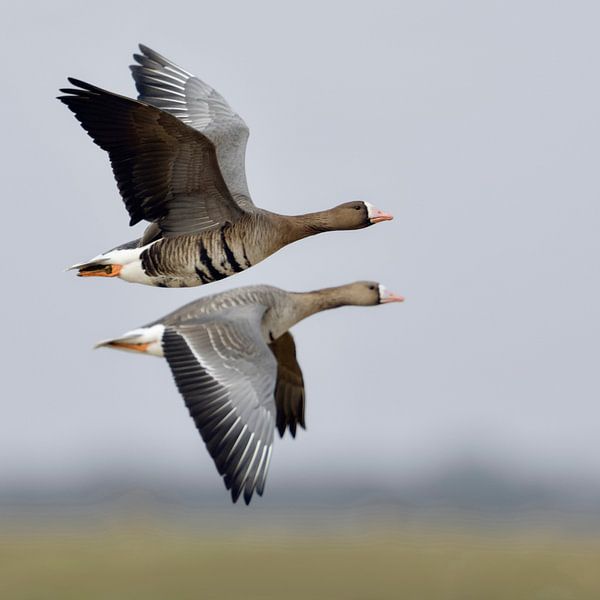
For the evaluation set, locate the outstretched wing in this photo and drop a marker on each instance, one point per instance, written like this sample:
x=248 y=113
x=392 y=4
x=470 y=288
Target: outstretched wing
x=226 y=375
x=163 y=84
x=166 y=171
x=289 y=391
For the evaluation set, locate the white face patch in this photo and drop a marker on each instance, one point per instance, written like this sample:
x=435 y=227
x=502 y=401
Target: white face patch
x=382 y=292
x=371 y=210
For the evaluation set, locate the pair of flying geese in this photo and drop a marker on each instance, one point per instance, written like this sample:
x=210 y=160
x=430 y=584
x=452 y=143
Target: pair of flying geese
x=177 y=154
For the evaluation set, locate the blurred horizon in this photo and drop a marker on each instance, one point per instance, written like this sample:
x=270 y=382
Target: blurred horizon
x=462 y=492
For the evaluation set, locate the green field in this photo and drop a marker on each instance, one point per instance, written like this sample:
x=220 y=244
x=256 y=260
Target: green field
x=158 y=561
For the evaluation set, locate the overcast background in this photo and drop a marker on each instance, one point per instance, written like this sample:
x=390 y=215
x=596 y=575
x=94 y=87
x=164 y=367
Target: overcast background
x=474 y=123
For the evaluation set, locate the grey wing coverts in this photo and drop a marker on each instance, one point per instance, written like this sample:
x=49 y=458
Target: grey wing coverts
x=167 y=86
x=226 y=375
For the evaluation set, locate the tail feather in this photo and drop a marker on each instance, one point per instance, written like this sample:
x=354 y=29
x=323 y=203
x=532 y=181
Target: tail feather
x=145 y=339
x=124 y=262
x=95 y=262
x=128 y=338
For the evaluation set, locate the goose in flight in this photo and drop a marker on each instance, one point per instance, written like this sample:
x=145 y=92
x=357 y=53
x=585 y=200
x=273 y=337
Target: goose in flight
x=234 y=362
x=178 y=154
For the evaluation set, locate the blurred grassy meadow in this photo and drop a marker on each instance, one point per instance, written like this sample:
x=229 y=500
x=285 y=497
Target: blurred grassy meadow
x=154 y=558
x=469 y=531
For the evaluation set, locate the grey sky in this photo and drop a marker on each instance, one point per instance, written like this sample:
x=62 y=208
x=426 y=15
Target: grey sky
x=475 y=123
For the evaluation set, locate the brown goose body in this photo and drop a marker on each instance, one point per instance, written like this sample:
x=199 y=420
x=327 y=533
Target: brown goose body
x=234 y=362
x=196 y=259
x=177 y=154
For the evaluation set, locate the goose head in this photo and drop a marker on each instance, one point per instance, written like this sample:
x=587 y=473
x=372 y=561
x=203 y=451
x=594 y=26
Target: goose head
x=369 y=293
x=356 y=215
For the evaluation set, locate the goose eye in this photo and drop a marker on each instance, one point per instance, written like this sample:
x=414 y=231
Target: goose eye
x=371 y=287
x=357 y=207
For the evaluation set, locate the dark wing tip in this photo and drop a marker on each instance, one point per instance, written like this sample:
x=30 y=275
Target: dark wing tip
x=262 y=481
x=301 y=420
x=150 y=54
x=79 y=83
x=80 y=86
x=235 y=493
x=70 y=92
x=281 y=427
